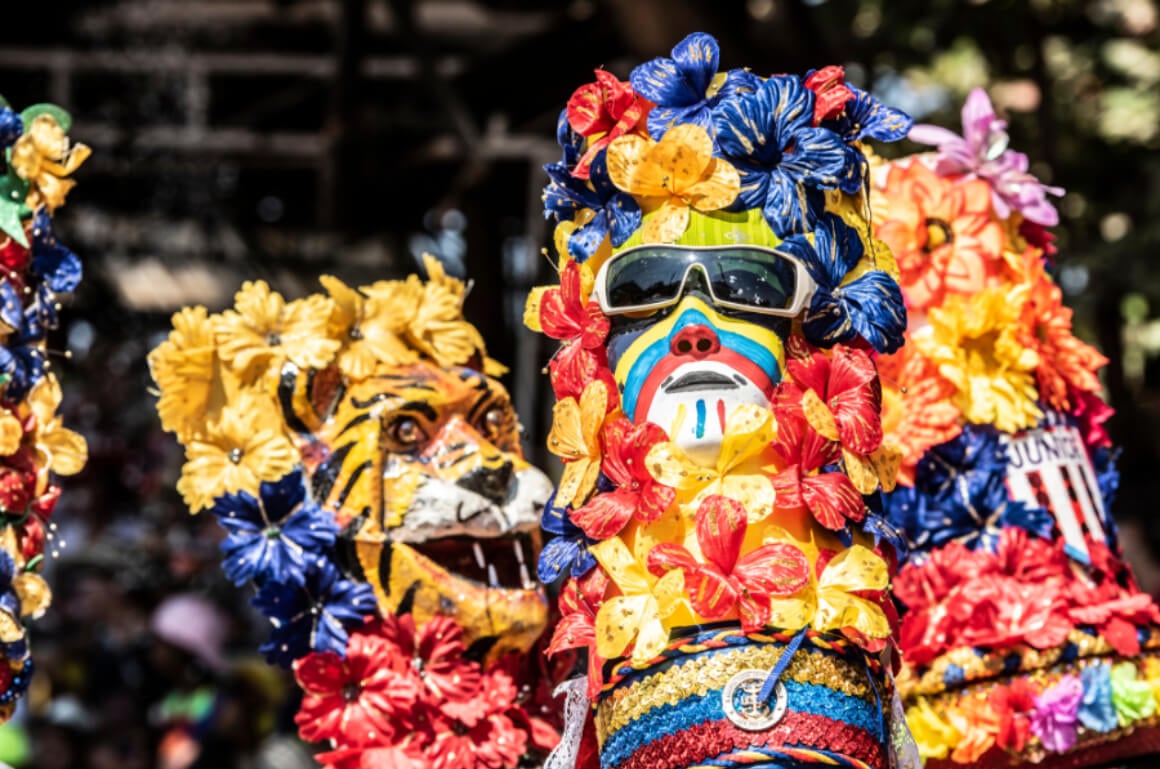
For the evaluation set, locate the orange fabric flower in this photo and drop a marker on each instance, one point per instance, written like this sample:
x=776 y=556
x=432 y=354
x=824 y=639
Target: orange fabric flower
x=918 y=407
x=978 y=723
x=941 y=232
x=1063 y=358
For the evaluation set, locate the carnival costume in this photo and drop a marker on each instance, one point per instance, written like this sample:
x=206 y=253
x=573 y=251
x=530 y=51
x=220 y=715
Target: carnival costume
x=367 y=468
x=35 y=447
x=1025 y=637
x=719 y=303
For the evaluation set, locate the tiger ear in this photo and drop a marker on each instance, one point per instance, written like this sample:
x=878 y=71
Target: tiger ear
x=308 y=396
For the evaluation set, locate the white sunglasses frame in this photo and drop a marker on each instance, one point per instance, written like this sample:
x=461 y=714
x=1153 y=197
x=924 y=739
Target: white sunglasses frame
x=803 y=293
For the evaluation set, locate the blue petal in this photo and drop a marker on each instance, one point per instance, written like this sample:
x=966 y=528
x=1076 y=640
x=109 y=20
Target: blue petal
x=238 y=512
x=873 y=303
x=585 y=241
x=869 y=118
x=827 y=323
x=881 y=529
x=786 y=209
x=282 y=497
x=11 y=127
x=698 y=57
x=556 y=558
x=330 y=635
x=682 y=80
x=11 y=308
x=1097 y=711
x=310 y=528
x=7 y=569
x=1035 y=520
x=837 y=250
x=625 y=216
x=59 y=267
x=661 y=119
x=737 y=82
x=818 y=158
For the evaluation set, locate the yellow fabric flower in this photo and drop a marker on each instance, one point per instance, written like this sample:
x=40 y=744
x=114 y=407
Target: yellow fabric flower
x=829 y=604
x=975 y=343
x=42 y=156
x=671 y=176
x=183 y=366
x=372 y=329
x=264 y=331
x=57 y=448
x=11 y=433
x=238 y=451
x=575 y=438
x=934 y=735
x=438 y=329
x=642 y=608
x=741 y=471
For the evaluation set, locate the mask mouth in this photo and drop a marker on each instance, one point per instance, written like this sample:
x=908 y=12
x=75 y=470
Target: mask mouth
x=506 y=562
x=696 y=381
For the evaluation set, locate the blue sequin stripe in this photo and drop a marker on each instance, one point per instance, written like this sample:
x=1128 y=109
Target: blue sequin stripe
x=813 y=699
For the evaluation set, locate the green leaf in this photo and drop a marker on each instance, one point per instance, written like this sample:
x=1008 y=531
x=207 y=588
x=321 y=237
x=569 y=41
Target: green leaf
x=13 y=191
x=31 y=113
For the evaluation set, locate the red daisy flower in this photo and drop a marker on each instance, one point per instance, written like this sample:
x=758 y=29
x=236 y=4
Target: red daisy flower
x=448 y=681
x=356 y=701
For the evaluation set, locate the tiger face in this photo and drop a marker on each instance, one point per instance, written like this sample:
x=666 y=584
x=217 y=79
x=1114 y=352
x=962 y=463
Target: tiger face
x=422 y=466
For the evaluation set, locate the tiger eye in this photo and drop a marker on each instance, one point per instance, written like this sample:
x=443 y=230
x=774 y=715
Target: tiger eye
x=494 y=421
x=407 y=431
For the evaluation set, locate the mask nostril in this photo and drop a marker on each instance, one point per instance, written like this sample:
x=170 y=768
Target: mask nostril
x=684 y=346
x=704 y=345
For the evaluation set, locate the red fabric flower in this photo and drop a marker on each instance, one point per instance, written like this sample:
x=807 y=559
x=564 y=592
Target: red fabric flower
x=491 y=741
x=1091 y=412
x=830 y=92
x=567 y=315
x=637 y=493
x=356 y=701
x=573 y=367
x=1013 y=705
x=846 y=383
x=999 y=612
x=602 y=111
x=377 y=757
x=579 y=601
x=727 y=580
x=830 y=497
x=14 y=261
x=435 y=652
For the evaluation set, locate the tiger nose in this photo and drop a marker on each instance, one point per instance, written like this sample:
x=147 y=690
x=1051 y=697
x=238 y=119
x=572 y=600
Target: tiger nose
x=695 y=342
x=492 y=483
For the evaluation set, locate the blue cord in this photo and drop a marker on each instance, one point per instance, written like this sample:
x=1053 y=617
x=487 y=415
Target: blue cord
x=782 y=663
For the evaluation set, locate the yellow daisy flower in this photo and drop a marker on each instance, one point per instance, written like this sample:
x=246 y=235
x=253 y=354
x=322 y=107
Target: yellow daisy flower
x=183 y=366
x=238 y=451
x=974 y=341
x=438 y=328
x=42 y=156
x=371 y=328
x=264 y=331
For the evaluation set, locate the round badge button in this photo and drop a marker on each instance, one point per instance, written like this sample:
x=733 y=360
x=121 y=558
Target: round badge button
x=743 y=707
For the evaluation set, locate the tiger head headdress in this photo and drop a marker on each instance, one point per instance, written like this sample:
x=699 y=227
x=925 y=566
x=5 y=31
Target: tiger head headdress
x=364 y=459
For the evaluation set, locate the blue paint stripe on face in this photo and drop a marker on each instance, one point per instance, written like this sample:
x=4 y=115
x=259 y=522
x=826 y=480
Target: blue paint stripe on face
x=648 y=359
x=700 y=419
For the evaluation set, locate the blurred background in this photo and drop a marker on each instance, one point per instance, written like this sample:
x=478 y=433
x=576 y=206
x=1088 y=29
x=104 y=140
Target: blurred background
x=282 y=139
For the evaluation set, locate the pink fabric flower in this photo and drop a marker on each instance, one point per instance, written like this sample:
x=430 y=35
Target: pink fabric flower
x=982 y=150
x=1056 y=714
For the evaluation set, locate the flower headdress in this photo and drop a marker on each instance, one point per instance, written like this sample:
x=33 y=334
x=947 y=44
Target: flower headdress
x=36 y=273
x=380 y=686
x=1024 y=633
x=770 y=541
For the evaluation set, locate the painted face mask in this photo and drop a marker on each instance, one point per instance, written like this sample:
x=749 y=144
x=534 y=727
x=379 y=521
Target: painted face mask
x=367 y=468
x=1026 y=640
x=717 y=415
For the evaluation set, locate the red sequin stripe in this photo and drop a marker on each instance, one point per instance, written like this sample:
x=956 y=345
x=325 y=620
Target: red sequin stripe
x=709 y=740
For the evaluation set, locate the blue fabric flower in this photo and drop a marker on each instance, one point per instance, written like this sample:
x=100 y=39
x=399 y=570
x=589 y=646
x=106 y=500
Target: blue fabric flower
x=9 y=601
x=617 y=213
x=960 y=494
x=270 y=538
x=313 y=616
x=1104 y=461
x=56 y=265
x=870 y=306
x=881 y=529
x=11 y=127
x=567 y=553
x=867 y=118
x=22 y=357
x=679 y=87
x=1096 y=712
x=768 y=135
x=11 y=307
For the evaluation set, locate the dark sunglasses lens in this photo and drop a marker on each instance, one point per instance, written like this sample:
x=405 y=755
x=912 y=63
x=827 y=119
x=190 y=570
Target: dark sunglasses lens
x=646 y=277
x=759 y=280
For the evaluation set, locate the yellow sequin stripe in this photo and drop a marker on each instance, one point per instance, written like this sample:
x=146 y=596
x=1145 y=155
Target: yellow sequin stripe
x=992 y=664
x=710 y=673
x=1034 y=751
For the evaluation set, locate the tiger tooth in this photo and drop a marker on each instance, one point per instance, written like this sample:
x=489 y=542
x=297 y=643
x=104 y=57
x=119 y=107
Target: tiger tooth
x=525 y=578
x=518 y=547
x=478 y=549
x=492 y=579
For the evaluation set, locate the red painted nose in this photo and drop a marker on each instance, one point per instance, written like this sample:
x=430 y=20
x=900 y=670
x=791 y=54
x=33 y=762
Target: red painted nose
x=695 y=341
